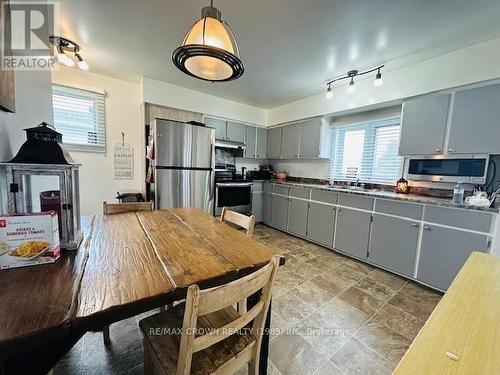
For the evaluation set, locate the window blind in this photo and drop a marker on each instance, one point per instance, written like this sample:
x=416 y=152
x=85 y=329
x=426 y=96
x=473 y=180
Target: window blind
x=79 y=115
x=367 y=152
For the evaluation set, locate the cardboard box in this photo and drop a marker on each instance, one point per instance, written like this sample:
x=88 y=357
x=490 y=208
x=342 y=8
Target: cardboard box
x=29 y=239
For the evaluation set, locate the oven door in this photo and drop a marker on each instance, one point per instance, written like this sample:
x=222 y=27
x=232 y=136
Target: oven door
x=236 y=196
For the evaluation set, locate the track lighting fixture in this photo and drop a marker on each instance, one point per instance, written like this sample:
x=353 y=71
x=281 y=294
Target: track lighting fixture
x=64 y=46
x=351 y=87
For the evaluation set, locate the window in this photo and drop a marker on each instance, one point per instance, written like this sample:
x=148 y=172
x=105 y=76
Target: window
x=367 y=151
x=79 y=115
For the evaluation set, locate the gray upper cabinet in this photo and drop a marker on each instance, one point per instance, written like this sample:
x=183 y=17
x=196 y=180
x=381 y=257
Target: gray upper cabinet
x=261 y=143
x=267 y=207
x=279 y=212
x=251 y=142
x=353 y=232
x=274 y=143
x=290 y=141
x=423 y=125
x=311 y=138
x=321 y=223
x=444 y=251
x=297 y=217
x=475 y=121
x=219 y=125
x=236 y=132
x=393 y=243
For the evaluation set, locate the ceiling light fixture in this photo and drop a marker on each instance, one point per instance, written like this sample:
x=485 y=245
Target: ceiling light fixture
x=65 y=45
x=209 y=50
x=351 y=87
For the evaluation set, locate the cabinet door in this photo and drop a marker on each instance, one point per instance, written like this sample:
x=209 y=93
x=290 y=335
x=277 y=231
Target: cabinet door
x=219 y=125
x=352 y=232
x=444 y=251
x=290 y=142
x=475 y=121
x=236 y=132
x=267 y=208
x=297 y=217
x=250 y=141
x=393 y=243
x=257 y=205
x=261 y=143
x=310 y=140
x=321 y=223
x=423 y=125
x=274 y=143
x=279 y=212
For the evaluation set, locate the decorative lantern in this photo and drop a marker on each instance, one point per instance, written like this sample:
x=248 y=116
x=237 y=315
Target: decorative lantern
x=402 y=186
x=41 y=177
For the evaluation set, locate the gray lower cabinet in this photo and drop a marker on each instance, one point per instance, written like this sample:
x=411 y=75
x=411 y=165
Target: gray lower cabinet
x=274 y=143
x=267 y=207
x=218 y=125
x=236 y=132
x=261 y=143
x=393 y=243
x=251 y=142
x=352 y=232
x=257 y=205
x=423 y=125
x=444 y=251
x=297 y=217
x=279 y=212
x=290 y=141
x=321 y=223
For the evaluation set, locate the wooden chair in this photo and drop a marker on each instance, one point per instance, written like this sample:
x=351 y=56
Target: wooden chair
x=206 y=335
x=243 y=221
x=117 y=208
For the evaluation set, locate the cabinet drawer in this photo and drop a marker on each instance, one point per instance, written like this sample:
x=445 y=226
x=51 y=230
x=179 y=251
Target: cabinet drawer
x=404 y=209
x=268 y=187
x=281 y=189
x=474 y=220
x=356 y=201
x=257 y=186
x=324 y=196
x=299 y=192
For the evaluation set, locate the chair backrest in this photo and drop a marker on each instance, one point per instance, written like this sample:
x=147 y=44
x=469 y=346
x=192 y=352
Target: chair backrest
x=243 y=221
x=116 y=208
x=202 y=302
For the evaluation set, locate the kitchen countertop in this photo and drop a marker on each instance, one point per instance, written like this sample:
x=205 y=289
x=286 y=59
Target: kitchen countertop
x=445 y=202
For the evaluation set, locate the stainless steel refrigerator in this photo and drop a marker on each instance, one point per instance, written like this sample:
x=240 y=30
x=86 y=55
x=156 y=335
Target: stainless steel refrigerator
x=184 y=165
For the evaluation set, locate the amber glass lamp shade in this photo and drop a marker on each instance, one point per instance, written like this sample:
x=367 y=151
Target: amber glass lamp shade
x=402 y=186
x=209 y=50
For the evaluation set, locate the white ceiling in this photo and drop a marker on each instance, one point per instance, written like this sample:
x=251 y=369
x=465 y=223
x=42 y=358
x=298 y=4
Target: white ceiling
x=289 y=47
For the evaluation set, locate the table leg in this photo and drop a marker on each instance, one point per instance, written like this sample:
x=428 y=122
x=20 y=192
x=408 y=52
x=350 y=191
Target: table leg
x=264 y=349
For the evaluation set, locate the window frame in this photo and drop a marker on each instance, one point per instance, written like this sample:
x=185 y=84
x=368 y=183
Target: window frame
x=100 y=124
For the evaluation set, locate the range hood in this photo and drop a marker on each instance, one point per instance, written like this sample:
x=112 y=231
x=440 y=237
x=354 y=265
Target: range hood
x=229 y=144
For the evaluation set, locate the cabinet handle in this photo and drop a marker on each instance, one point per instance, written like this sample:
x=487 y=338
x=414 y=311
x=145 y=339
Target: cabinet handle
x=339 y=210
x=437 y=150
x=334 y=208
x=451 y=150
x=426 y=227
x=415 y=225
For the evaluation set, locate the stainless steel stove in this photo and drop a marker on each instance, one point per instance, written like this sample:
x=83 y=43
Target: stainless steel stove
x=231 y=190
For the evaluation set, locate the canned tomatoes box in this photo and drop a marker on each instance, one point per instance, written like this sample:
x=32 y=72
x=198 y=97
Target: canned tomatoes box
x=29 y=239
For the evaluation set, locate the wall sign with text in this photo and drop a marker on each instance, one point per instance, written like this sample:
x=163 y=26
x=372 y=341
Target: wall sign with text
x=123 y=156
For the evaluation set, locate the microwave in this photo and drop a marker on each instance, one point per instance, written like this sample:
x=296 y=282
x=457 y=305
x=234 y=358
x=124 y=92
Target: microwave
x=468 y=169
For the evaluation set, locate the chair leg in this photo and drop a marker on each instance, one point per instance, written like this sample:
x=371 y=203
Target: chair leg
x=253 y=368
x=105 y=335
x=242 y=306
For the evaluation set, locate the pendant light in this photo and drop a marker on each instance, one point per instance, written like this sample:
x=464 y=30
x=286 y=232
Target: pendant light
x=209 y=50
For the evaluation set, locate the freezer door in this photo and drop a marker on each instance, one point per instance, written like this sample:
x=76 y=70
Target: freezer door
x=184 y=188
x=183 y=145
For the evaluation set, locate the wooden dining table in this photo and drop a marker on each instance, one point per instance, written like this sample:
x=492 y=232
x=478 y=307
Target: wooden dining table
x=127 y=264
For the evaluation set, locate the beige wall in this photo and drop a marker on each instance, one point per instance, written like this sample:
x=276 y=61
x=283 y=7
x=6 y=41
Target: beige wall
x=122 y=115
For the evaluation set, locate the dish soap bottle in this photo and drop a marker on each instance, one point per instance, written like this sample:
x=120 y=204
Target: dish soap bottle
x=458 y=194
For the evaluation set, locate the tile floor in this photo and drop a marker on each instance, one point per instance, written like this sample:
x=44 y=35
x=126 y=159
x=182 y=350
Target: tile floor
x=331 y=315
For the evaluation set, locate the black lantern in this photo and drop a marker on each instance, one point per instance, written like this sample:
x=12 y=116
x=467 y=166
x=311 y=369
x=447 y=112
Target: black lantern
x=402 y=186
x=42 y=177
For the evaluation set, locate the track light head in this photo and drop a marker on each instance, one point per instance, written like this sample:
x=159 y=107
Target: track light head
x=82 y=64
x=329 y=93
x=378 y=79
x=351 y=88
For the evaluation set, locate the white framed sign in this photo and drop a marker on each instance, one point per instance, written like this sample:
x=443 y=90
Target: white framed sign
x=123 y=157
